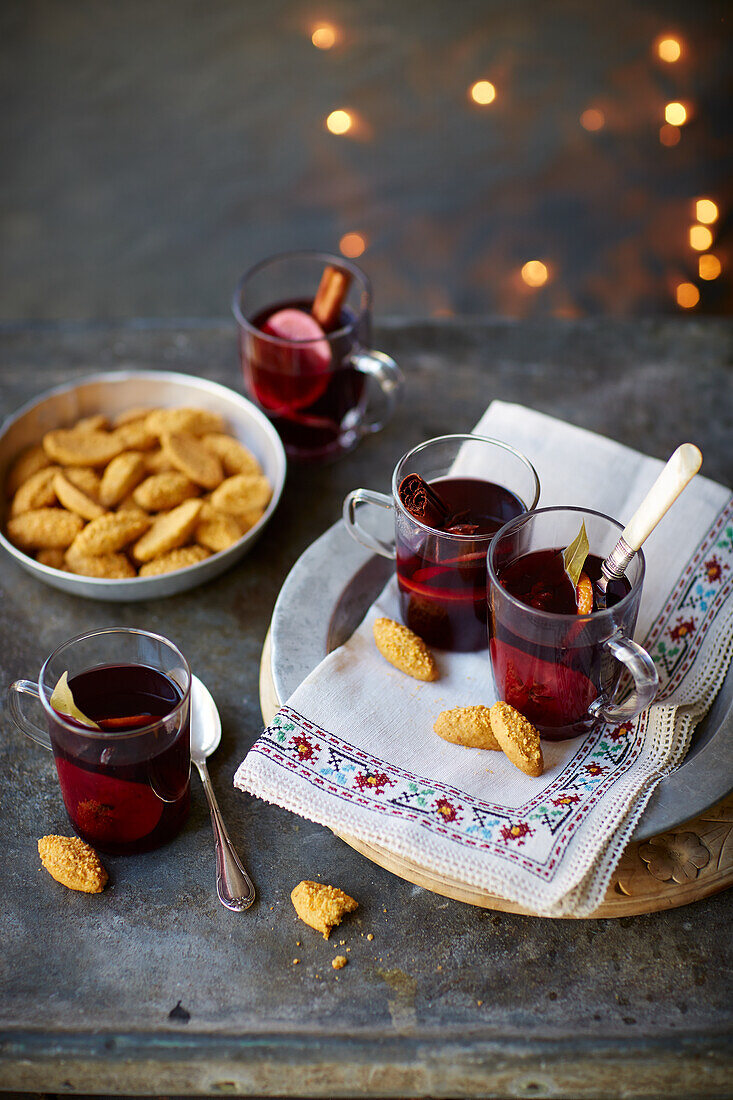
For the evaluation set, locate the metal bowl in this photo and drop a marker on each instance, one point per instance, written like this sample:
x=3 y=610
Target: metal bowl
x=111 y=394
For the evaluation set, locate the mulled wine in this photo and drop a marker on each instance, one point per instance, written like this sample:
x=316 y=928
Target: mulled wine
x=550 y=670
x=127 y=791
x=303 y=377
x=441 y=572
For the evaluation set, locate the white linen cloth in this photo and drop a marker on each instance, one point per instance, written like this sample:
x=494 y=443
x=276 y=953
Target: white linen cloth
x=354 y=748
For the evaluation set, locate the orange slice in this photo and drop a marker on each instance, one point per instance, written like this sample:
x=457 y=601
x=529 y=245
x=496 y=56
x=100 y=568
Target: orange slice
x=584 y=594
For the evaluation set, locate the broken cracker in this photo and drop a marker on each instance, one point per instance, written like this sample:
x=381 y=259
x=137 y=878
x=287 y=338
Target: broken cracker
x=75 y=447
x=73 y=498
x=193 y=459
x=321 y=906
x=404 y=649
x=518 y=738
x=73 y=863
x=110 y=532
x=161 y=492
x=174 y=559
x=169 y=530
x=44 y=529
x=467 y=726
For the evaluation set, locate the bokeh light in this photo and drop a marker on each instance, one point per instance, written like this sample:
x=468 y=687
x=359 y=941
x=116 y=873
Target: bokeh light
x=700 y=238
x=709 y=266
x=675 y=114
x=669 y=135
x=339 y=122
x=352 y=245
x=592 y=119
x=669 y=49
x=687 y=295
x=535 y=273
x=324 y=36
x=483 y=92
x=706 y=211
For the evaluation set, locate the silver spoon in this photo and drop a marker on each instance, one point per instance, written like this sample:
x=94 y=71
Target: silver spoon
x=234 y=886
x=676 y=474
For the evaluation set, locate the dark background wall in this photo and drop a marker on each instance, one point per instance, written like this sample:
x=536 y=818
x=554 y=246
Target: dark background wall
x=152 y=150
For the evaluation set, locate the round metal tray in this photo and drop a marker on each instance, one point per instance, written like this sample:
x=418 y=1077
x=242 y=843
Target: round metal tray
x=327 y=594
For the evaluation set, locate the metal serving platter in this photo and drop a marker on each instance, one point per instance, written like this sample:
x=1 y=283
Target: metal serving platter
x=327 y=594
x=110 y=394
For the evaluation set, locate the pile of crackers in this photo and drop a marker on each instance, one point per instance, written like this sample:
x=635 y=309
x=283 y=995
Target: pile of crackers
x=152 y=491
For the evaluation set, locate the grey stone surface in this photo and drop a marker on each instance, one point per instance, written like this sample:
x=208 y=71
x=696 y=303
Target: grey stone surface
x=447 y=999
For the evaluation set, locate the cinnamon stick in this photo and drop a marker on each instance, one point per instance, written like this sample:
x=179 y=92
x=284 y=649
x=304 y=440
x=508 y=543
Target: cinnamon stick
x=330 y=297
x=421 y=501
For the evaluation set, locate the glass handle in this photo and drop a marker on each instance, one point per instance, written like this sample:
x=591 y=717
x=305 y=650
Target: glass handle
x=30 y=729
x=645 y=676
x=390 y=382
x=371 y=499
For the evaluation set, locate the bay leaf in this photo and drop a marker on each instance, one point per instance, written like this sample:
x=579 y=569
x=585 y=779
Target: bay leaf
x=62 y=701
x=575 y=555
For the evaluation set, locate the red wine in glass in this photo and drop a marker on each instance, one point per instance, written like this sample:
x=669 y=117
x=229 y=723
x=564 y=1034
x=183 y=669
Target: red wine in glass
x=304 y=380
x=552 y=680
x=129 y=791
x=441 y=574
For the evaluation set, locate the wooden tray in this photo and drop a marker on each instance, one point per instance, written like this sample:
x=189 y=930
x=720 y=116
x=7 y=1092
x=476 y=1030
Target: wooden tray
x=677 y=855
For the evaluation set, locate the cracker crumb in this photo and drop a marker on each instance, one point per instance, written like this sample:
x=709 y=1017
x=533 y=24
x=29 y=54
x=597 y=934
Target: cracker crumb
x=295 y=962
x=339 y=962
x=321 y=906
x=479 y=1003
x=370 y=937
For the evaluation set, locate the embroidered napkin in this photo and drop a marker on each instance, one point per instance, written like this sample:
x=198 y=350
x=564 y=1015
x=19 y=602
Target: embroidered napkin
x=354 y=748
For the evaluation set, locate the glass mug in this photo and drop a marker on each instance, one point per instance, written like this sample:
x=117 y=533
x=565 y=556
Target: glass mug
x=125 y=790
x=322 y=394
x=441 y=576
x=563 y=671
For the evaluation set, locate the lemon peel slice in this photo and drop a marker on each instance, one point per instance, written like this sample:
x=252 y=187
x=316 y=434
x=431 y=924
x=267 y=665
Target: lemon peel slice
x=62 y=701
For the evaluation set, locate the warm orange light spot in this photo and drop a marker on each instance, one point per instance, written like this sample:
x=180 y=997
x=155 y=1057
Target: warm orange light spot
x=706 y=211
x=709 y=266
x=669 y=135
x=535 y=273
x=483 y=92
x=687 y=295
x=592 y=119
x=352 y=245
x=339 y=122
x=700 y=238
x=669 y=49
x=675 y=114
x=324 y=37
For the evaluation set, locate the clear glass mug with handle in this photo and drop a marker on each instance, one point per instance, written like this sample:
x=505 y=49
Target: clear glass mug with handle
x=322 y=390
x=126 y=783
x=563 y=671
x=441 y=574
